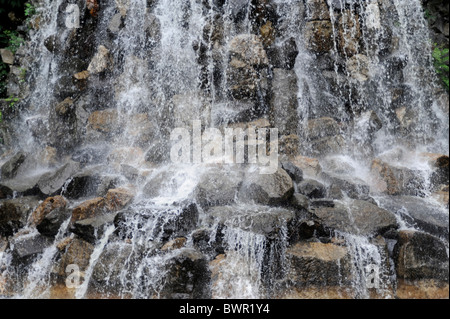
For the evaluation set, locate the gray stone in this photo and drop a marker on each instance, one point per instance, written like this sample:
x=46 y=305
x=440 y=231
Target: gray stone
x=312 y=189
x=50 y=183
x=91 y=229
x=29 y=245
x=7 y=56
x=9 y=169
x=14 y=214
x=218 y=187
x=52 y=222
x=294 y=171
x=284 y=101
x=420 y=256
x=267 y=189
x=356 y=217
x=353 y=187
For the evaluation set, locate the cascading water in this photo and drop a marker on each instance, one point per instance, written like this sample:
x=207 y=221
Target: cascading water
x=349 y=84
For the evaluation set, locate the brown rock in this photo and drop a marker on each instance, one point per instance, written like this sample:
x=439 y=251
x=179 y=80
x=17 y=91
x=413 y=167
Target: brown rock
x=46 y=208
x=118 y=198
x=78 y=252
x=349 y=33
x=319 y=36
x=310 y=166
x=89 y=208
x=104 y=121
x=177 y=243
x=267 y=33
x=422 y=289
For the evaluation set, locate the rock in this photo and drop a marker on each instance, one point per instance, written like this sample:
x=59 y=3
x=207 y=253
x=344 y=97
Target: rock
x=65 y=107
x=90 y=155
x=52 y=182
x=52 y=222
x=349 y=33
x=422 y=289
x=358 y=67
x=177 y=243
x=14 y=214
x=317 y=10
x=106 y=121
x=312 y=189
x=88 y=209
x=440 y=165
x=187 y=276
x=353 y=187
x=267 y=32
x=9 y=169
x=284 y=101
x=101 y=61
x=7 y=56
x=218 y=187
x=122 y=6
x=28 y=246
x=267 y=189
x=317 y=264
x=129 y=155
x=318 y=36
x=248 y=49
x=116 y=23
x=190 y=107
x=246 y=73
x=84 y=183
x=420 y=256
x=300 y=201
x=117 y=199
x=394 y=180
x=289 y=145
x=91 y=229
x=77 y=252
x=419 y=213
x=158 y=223
x=309 y=166
x=356 y=217
x=283 y=55
x=294 y=171
x=322 y=127
x=46 y=208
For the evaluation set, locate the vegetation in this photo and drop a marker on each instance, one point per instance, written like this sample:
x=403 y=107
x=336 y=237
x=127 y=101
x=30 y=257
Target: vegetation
x=440 y=58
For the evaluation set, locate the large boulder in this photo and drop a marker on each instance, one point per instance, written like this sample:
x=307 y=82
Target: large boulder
x=218 y=187
x=28 y=245
x=356 y=217
x=267 y=189
x=318 y=36
x=9 y=168
x=318 y=264
x=52 y=182
x=14 y=214
x=420 y=256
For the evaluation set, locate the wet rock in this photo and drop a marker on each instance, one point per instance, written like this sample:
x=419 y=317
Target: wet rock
x=318 y=36
x=422 y=289
x=358 y=66
x=309 y=166
x=284 y=101
x=294 y=171
x=159 y=223
x=88 y=209
x=77 y=252
x=267 y=189
x=394 y=180
x=419 y=213
x=52 y=222
x=318 y=264
x=300 y=201
x=353 y=187
x=14 y=214
x=177 y=243
x=28 y=245
x=52 y=182
x=245 y=75
x=283 y=55
x=188 y=276
x=189 y=107
x=317 y=10
x=420 y=256
x=9 y=169
x=65 y=107
x=46 y=208
x=116 y=23
x=105 y=121
x=101 y=61
x=349 y=33
x=117 y=199
x=218 y=187
x=90 y=155
x=356 y=217
x=92 y=229
x=440 y=165
x=289 y=145
x=7 y=56
x=312 y=189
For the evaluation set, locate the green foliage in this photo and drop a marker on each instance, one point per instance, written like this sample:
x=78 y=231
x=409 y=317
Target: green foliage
x=14 y=40
x=30 y=10
x=441 y=60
